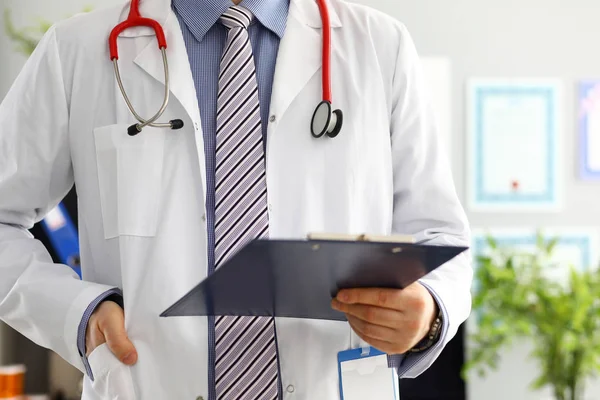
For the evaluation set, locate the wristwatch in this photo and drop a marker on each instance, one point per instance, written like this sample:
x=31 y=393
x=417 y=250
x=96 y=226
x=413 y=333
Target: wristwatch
x=432 y=336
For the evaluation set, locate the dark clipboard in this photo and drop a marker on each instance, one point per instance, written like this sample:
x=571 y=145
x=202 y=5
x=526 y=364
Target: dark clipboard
x=298 y=278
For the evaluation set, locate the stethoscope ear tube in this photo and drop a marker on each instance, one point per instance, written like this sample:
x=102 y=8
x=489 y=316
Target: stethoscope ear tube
x=137 y=128
x=133 y=20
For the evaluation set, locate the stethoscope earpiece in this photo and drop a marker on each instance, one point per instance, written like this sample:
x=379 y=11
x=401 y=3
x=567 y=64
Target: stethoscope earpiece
x=135 y=128
x=326 y=121
x=176 y=124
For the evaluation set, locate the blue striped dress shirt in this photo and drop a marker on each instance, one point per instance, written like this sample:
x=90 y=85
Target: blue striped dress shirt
x=205 y=40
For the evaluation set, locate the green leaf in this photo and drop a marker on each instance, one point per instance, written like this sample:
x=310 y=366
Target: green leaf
x=539 y=382
x=551 y=245
x=539 y=240
x=491 y=242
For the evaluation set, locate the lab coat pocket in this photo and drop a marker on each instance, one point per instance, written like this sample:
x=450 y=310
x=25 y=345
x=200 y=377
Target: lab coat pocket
x=130 y=179
x=112 y=379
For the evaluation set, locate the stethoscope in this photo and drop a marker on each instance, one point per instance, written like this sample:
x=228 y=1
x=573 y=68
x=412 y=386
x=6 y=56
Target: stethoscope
x=325 y=120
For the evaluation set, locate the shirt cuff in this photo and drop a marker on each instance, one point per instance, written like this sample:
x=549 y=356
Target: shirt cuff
x=115 y=295
x=404 y=362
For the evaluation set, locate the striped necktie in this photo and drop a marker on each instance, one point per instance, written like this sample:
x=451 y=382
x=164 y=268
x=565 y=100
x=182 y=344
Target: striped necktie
x=246 y=354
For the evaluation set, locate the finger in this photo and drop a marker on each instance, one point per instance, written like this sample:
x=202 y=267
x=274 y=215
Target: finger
x=375 y=315
x=382 y=345
x=385 y=298
x=373 y=331
x=117 y=340
x=413 y=298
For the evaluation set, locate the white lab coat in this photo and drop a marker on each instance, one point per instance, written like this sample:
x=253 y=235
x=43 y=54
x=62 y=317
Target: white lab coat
x=141 y=200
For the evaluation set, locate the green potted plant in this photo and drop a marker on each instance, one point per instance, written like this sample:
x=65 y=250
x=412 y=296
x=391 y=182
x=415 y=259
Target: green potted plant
x=515 y=297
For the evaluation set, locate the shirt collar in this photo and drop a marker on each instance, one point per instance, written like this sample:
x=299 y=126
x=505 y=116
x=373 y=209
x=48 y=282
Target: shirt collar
x=200 y=15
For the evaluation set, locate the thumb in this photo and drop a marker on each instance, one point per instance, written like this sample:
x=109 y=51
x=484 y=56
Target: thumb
x=117 y=340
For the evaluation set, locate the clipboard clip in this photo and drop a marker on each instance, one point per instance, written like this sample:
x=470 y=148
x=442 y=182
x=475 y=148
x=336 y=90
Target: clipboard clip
x=363 y=237
x=365 y=351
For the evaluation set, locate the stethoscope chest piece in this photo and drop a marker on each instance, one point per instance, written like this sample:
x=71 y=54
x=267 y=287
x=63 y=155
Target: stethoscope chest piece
x=326 y=121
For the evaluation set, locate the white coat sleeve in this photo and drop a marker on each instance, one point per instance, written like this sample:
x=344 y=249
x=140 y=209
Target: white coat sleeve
x=425 y=201
x=41 y=300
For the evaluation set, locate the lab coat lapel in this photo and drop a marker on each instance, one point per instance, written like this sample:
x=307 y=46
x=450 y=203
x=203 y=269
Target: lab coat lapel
x=300 y=52
x=181 y=80
x=180 y=74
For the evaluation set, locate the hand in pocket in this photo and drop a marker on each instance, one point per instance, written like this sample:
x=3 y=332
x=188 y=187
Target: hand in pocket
x=107 y=325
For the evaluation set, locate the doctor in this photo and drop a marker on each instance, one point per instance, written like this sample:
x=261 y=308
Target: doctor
x=161 y=209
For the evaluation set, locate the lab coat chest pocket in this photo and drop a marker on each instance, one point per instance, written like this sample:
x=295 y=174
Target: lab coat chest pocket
x=130 y=179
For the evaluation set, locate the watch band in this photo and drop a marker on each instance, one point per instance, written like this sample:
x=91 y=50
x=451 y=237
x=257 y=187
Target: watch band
x=432 y=336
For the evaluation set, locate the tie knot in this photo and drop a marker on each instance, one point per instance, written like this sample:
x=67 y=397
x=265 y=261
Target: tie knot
x=236 y=17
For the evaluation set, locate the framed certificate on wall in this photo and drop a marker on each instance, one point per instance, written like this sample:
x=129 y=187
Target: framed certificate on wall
x=589 y=129
x=514 y=145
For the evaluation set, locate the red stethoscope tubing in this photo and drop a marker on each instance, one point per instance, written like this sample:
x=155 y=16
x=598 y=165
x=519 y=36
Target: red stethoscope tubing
x=326 y=50
x=322 y=119
x=135 y=19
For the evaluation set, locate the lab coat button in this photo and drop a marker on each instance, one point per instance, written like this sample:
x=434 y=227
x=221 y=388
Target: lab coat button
x=203 y=217
x=290 y=389
x=273 y=118
x=199 y=398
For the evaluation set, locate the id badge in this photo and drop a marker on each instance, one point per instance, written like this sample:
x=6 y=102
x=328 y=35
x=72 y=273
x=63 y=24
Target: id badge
x=365 y=375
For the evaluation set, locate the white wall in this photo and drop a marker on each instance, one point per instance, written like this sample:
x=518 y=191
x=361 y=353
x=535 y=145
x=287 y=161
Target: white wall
x=515 y=38
x=553 y=38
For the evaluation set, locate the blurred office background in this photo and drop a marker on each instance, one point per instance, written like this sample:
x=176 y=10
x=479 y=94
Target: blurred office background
x=473 y=39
